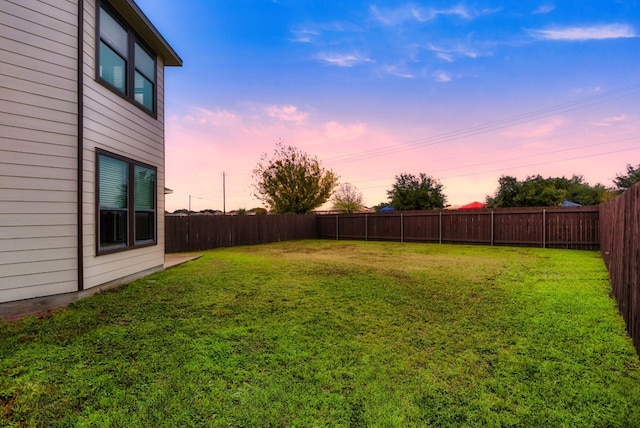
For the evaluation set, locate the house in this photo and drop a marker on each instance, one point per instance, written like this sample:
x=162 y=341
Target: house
x=81 y=147
x=475 y=205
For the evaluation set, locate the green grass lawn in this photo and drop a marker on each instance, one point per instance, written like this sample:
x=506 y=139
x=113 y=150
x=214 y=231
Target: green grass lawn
x=328 y=333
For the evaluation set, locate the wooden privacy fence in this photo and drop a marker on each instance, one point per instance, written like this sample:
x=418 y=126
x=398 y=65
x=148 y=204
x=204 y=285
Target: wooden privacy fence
x=620 y=248
x=554 y=227
x=203 y=232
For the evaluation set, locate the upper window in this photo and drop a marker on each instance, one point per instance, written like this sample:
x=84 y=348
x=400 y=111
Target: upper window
x=126 y=203
x=124 y=63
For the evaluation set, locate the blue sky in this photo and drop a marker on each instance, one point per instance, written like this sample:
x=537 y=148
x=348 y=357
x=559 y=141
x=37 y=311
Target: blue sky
x=462 y=91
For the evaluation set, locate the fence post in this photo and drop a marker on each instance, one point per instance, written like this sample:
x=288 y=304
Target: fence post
x=492 y=220
x=440 y=227
x=366 y=227
x=401 y=227
x=337 y=228
x=544 y=228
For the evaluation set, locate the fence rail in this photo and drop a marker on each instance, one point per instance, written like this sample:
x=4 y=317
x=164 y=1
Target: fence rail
x=202 y=232
x=620 y=248
x=576 y=228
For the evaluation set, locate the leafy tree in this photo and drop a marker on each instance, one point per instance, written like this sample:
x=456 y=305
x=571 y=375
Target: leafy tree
x=416 y=193
x=505 y=196
x=536 y=191
x=623 y=182
x=259 y=211
x=292 y=181
x=347 y=199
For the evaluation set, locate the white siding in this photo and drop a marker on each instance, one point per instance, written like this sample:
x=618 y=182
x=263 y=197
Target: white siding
x=38 y=140
x=118 y=126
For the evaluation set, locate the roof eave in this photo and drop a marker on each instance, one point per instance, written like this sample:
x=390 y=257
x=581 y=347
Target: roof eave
x=145 y=29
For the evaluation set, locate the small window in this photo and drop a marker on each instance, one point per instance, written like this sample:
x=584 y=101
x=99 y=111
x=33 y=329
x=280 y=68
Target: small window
x=124 y=64
x=145 y=77
x=113 y=68
x=144 y=191
x=126 y=203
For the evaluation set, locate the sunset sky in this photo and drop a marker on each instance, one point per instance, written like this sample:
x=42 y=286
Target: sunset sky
x=462 y=91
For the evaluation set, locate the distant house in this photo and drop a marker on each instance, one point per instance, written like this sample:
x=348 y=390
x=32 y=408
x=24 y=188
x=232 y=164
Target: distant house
x=81 y=146
x=472 y=206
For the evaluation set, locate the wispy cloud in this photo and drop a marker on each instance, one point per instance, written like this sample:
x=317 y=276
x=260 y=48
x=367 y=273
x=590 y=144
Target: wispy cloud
x=610 y=121
x=450 y=54
x=398 y=71
x=342 y=60
x=441 y=76
x=304 y=35
x=532 y=131
x=314 y=32
x=411 y=12
x=203 y=116
x=544 y=9
x=594 y=32
x=287 y=113
x=338 y=131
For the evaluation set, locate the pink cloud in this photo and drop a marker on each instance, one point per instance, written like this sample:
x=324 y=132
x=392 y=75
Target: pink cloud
x=336 y=131
x=369 y=154
x=534 y=131
x=288 y=113
x=612 y=120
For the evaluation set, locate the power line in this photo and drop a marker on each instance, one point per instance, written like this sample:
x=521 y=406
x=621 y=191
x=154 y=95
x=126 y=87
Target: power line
x=532 y=164
x=494 y=125
x=546 y=163
x=539 y=154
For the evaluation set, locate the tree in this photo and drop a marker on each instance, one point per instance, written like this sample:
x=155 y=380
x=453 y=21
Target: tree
x=505 y=196
x=416 y=193
x=536 y=191
x=292 y=181
x=347 y=199
x=623 y=182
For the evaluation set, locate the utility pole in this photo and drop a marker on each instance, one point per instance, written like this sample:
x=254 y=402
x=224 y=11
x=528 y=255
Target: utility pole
x=189 y=205
x=224 y=197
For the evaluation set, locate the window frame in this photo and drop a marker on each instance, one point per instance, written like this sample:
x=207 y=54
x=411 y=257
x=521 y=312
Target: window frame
x=130 y=222
x=130 y=62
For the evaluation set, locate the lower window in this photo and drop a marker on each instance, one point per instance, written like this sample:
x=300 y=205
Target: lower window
x=126 y=199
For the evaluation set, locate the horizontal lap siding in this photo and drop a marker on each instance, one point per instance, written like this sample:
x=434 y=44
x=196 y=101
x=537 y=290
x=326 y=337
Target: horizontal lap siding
x=38 y=140
x=120 y=127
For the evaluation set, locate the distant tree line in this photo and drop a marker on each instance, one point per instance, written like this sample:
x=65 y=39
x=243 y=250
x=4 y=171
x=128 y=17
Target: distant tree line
x=536 y=191
x=292 y=181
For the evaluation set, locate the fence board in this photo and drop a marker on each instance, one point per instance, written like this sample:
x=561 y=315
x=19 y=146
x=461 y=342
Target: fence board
x=575 y=228
x=620 y=249
x=202 y=232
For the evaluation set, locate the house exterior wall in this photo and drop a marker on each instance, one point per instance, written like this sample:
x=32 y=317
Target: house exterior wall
x=38 y=148
x=116 y=125
x=47 y=136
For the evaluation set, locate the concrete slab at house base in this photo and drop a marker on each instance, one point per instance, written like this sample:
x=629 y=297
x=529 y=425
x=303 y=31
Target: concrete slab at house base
x=171 y=260
x=11 y=311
